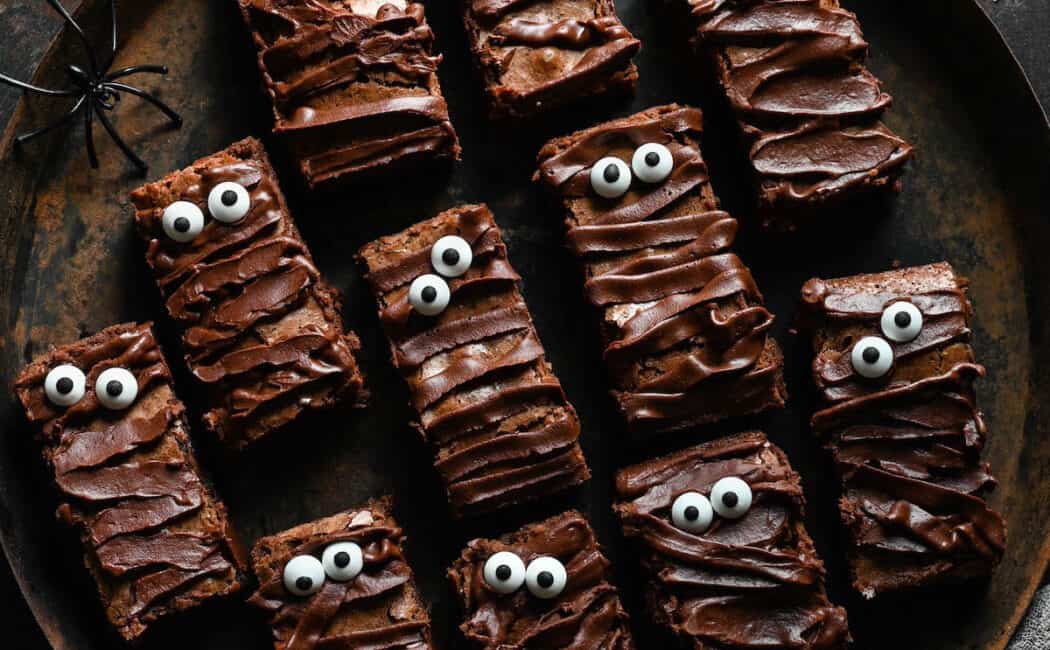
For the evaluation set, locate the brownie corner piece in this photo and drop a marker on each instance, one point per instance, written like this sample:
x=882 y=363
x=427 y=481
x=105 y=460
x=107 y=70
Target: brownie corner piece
x=723 y=544
x=487 y=400
x=544 y=586
x=155 y=537
x=354 y=86
x=895 y=372
x=534 y=56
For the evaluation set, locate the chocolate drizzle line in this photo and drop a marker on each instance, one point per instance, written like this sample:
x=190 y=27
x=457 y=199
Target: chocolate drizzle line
x=497 y=418
x=154 y=536
x=587 y=614
x=906 y=446
x=351 y=92
x=259 y=327
x=684 y=323
x=753 y=582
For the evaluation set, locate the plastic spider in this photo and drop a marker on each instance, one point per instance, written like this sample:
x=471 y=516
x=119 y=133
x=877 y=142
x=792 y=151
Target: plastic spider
x=97 y=90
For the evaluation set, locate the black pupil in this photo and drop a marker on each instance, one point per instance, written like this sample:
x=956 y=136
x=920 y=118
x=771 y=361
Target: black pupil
x=545 y=579
x=692 y=513
x=304 y=583
x=182 y=224
x=503 y=572
x=229 y=198
x=64 y=385
x=611 y=173
x=341 y=559
x=114 y=388
x=652 y=159
x=429 y=294
x=450 y=256
x=870 y=355
x=730 y=499
x=903 y=319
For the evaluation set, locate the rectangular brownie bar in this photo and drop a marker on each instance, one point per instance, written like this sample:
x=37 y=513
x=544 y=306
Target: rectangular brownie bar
x=686 y=335
x=535 y=55
x=341 y=582
x=354 y=85
x=895 y=372
x=156 y=538
x=722 y=540
x=261 y=331
x=487 y=400
x=543 y=586
x=809 y=110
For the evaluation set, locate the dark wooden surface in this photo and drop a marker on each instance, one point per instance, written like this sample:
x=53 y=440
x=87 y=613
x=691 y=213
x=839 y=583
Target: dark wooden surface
x=27 y=28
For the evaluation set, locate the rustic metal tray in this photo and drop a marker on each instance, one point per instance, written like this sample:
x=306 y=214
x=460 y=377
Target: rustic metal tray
x=976 y=196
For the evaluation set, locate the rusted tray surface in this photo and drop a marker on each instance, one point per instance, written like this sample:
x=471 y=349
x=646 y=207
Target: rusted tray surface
x=976 y=196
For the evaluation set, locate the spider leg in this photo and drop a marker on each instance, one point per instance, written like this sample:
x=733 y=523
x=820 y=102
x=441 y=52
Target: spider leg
x=90 y=139
x=136 y=69
x=69 y=115
x=11 y=81
x=113 y=27
x=164 y=108
x=57 y=6
x=106 y=124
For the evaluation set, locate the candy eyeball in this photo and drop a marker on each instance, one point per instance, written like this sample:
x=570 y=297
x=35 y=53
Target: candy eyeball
x=731 y=497
x=182 y=221
x=872 y=357
x=451 y=256
x=228 y=202
x=610 y=177
x=303 y=575
x=116 y=388
x=901 y=322
x=342 y=561
x=504 y=572
x=692 y=512
x=64 y=385
x=429 y=294
x=652 y=163
x=546 y=577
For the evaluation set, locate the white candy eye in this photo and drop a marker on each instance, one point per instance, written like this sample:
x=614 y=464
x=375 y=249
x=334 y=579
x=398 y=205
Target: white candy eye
x=546 y=577
x=872 y=357
x=901 y=322
x=731 y=497
x=610 y=177
x=504 y=572
x=116 y=388
x=451 y=256
x=342 y=561
x=652 y=163
x=228 y=202
x=64 y=385
x=429 y=294
x=182 y=221
x=303 y=575
x=692 y=512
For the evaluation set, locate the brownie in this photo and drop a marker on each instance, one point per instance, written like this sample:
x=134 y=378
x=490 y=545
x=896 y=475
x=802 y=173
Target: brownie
x=809 y=111
x=156 y=538
x=720 y=533
x=535 y=55
x=685 y=332
x=261 y=331
x=354 y=85
x=543 y=587
x=341 y=582
x=487 y=400
x=898 y=413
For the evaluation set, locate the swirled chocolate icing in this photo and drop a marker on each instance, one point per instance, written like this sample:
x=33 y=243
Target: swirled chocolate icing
x=488 y=402
x=906 y=445
x=794 y=75
x=752 y=582
x=379 y=608
x=535 y=55
x=354 y=84
x=156 y=538
x=260 y=330
x=587 y=615
x=685 y=329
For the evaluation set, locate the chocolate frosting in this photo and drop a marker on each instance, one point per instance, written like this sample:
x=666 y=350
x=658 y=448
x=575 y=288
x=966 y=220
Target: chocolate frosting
x=259 y=327
x=587 y=615
x=662 y=271
x=753 y=582
x=332 y=73
x=501 y=426
x=794 y=75
x=153 y=535
x=906 y=445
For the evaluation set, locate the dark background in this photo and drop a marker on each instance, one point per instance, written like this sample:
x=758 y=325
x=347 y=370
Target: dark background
x=28 y=26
